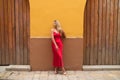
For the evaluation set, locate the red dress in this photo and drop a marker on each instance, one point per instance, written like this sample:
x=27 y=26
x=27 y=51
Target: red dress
x=57 y=54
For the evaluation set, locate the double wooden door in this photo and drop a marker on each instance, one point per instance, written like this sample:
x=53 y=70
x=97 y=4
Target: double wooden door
x=102 y=32
x=14 y=31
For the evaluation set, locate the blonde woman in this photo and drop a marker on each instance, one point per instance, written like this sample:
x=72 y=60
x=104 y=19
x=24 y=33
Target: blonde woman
x=57 y=46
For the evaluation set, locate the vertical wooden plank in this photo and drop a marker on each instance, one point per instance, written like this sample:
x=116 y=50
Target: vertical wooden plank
x=100 y=35
x=1 y=32
x=111 y=32
x=24 y=28
x=26 y=22
x=103 y=30
x=4 y=45
x=21 y=30
x=107 y=31
x=17 y=32
x=10 y=32
x=96 y=33
x=28 y=32
x=118 y=40
x=115 y=22
x=6 y=31
x=13 y=31
x=88 y=32
x=84 y=36
x=92 y=33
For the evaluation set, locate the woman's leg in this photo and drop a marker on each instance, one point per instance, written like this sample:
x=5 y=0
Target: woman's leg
x=63 y=70
x=56 y=70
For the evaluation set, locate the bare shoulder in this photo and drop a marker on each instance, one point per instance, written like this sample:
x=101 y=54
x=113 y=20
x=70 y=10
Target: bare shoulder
x=52 y=30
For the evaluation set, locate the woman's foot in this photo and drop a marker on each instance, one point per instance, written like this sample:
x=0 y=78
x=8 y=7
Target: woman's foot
x=64 y=73
x=63 y=70
x=56 y=71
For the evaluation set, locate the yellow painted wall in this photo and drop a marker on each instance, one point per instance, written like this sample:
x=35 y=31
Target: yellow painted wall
x=68 y=12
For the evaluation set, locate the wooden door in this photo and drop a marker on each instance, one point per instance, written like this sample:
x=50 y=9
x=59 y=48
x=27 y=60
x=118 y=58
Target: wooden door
x=14 y=31
x=102 y=32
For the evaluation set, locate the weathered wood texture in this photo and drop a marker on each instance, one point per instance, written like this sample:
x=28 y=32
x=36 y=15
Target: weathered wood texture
x=102 y=32
x=14 y=31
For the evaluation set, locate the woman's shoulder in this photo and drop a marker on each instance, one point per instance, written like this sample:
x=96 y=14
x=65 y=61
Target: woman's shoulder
x=52 y=30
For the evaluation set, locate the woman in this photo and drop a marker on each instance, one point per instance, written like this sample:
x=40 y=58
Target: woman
x=57 y=46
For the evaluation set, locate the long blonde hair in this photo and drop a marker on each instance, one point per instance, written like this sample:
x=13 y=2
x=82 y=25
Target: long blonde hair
x=59 y=28
x=58 y=25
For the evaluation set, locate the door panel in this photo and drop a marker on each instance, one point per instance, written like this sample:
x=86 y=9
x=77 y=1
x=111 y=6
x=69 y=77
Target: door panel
x=102 y=32
x=14 y=31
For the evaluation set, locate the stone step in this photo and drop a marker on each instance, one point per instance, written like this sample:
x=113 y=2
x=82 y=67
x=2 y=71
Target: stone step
x=3 y=68
x=101 y=67
x=18 y=68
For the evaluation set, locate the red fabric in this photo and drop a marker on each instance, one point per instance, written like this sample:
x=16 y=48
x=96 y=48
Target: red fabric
x=57 y=54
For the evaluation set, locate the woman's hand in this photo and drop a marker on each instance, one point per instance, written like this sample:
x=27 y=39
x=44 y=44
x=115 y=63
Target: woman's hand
x=57 y=47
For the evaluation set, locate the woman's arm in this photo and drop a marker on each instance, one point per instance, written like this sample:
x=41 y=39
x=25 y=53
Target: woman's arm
x=53 y=39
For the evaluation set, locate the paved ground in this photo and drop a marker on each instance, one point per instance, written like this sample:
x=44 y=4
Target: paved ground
x=71 y=75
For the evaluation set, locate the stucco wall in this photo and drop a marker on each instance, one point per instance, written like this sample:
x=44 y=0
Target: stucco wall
x=68 y=12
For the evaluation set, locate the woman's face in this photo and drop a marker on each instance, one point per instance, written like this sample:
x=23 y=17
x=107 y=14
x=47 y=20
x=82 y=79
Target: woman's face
x=54 y=24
